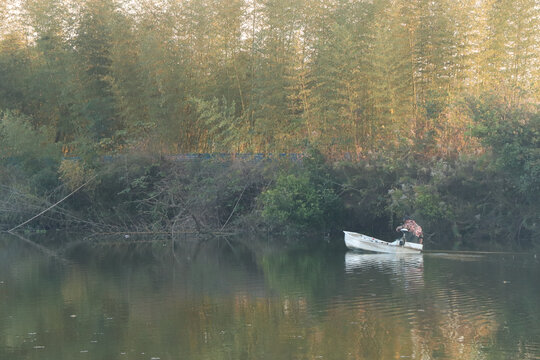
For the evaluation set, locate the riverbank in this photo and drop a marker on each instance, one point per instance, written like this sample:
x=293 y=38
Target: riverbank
x=462 y=204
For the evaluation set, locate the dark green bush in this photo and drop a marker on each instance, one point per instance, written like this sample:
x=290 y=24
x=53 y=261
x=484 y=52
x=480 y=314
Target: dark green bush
x=303 y=198
x=513 y=135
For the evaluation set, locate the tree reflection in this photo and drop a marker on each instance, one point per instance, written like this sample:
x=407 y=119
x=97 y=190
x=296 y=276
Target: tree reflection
x=269 y=305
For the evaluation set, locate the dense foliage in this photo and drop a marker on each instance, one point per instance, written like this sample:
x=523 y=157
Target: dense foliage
x=348 y=77
x=466 y=203
x=304 y=197
x=426 y=108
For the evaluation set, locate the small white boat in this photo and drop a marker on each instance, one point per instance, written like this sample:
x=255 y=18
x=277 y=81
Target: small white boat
x=355 y=241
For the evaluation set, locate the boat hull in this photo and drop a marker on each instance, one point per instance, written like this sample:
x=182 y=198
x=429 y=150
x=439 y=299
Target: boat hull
x=355 y=241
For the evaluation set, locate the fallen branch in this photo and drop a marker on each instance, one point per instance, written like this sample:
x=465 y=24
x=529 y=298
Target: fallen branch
x=235 y=206
x=53 y=205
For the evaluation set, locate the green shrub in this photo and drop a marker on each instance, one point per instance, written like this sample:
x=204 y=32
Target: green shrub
x=30 y=154
x=429 y=205
x=513 y=135
x=18 y=139
x=303 y=200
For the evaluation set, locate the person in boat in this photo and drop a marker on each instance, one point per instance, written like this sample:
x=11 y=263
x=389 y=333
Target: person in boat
x=414 y=231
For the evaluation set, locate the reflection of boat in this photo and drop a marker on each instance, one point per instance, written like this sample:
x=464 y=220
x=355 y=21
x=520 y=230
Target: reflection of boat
x=396 y=262
x=355 y=241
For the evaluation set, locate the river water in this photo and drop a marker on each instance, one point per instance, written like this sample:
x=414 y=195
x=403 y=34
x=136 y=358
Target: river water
x=223 y=301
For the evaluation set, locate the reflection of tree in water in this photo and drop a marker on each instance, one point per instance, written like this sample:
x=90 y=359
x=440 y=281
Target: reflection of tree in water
x=237 y=304
x=421 y=320
x=310 y=273
x=456 y=336
x=459 y=320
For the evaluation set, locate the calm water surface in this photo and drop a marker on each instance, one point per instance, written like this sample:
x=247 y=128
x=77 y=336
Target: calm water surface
x=139 y=302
